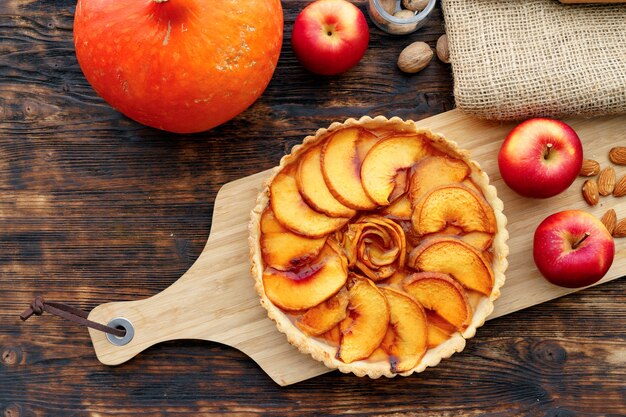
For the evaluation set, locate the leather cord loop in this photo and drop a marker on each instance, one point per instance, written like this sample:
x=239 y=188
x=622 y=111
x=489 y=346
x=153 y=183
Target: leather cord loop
x=75 y=315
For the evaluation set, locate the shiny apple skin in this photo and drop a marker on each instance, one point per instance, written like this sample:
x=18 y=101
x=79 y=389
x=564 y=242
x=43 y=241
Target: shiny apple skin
x=563 y=265
x=330 y=36
x=523 y=164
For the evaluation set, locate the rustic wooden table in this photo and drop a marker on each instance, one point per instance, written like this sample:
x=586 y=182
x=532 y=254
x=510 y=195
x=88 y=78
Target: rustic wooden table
x=97 y=208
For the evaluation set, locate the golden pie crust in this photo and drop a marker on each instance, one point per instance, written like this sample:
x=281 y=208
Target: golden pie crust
x=318 y=348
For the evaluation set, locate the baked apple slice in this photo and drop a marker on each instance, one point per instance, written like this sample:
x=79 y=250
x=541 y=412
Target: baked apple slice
x=386 y=160
x=396 y=279
x=470 y=184
x=452 y=205
x=342 y=155
x=488 y=255
x=313 y=187
x=269 y=224
x=333 y=336
x=439 y=330
x=409 y=325
x=435 y=171
x=452 y=256
x=282 y=249
x=323 y=317
x=443 y=295
x=294 y=213
x=436 y=336
x=480 y=240
x=400 y=186
x=399 y=209
x=366 y=324
x=302 y=289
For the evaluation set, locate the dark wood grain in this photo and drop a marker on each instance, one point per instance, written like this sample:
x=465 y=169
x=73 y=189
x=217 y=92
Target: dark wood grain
x=96 y=208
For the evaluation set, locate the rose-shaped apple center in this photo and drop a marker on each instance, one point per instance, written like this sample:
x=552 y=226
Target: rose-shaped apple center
x=376 y=246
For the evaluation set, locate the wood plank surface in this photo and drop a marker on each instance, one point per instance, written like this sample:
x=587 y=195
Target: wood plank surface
x=97 y=208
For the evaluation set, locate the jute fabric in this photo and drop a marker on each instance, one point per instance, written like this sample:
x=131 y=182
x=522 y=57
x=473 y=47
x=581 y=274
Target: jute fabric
x=514 y=59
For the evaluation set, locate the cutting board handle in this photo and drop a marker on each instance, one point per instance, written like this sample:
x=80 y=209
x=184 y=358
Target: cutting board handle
x=169 y=315
x=199 y=305
x=214 y=300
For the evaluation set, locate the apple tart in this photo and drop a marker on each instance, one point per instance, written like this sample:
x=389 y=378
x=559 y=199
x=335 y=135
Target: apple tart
x=378 y=247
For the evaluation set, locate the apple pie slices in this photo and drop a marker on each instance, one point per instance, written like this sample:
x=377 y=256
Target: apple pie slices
x=378 y=247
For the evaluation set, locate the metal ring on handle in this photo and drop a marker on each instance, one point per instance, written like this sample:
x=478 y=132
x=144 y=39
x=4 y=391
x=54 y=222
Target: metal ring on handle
x=126 y=325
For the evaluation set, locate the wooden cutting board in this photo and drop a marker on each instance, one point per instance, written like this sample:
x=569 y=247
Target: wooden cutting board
x=215 y=299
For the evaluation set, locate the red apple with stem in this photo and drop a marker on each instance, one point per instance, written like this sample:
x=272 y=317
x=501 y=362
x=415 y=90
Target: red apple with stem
x=330 y=36
x=573 y=249
x=540 y=158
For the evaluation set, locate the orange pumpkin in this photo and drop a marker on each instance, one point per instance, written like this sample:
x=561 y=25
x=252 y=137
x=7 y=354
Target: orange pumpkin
x=179 y=65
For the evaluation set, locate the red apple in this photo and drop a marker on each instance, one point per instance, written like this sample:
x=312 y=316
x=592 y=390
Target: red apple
x=573 y=249
x=540 y=158
x=330 y=36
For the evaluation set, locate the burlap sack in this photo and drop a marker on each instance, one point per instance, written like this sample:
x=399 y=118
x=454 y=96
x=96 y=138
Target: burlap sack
x=514 y=59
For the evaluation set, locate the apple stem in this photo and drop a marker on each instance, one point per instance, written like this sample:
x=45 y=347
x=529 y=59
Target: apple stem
x=582 y=239
x=549 y=148
x=159 y=1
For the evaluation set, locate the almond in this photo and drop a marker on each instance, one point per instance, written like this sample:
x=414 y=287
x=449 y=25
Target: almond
x=589 y=168
x=620 y=187
x=415 y=57
x=590 y=192
x=617 y=155
x=606 y=181
x=620 y=229
x=609 y=220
